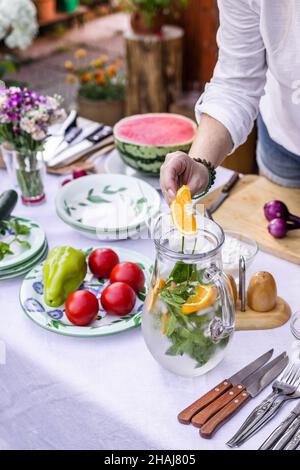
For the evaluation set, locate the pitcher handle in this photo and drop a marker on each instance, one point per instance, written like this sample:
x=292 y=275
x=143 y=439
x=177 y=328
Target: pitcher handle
x=221 y=327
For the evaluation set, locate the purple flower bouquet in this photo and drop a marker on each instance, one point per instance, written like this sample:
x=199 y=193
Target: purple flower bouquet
x=25 y=118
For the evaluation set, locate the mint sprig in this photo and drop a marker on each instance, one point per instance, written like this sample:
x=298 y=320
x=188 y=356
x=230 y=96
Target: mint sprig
x=188 y=334
x=18 y=230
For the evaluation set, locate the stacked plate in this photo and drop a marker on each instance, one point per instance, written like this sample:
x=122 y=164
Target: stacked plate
x=24 y=258
x=108 y=207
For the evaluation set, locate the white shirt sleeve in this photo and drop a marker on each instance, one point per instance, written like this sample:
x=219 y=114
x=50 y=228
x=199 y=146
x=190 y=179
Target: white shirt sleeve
x=232 y=96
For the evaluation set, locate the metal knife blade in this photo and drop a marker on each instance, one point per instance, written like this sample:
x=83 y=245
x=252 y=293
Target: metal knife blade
x=248 y=370
x=84 y=134
x=70 y=136
x=79 y=144
x=265 y=375
x=224 y=193
x=187 y=414
x=57 y=139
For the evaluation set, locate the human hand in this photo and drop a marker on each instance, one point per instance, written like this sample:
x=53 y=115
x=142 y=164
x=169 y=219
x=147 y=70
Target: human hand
x=179 y=169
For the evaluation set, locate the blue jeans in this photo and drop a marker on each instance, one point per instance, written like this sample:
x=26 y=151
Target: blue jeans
x=274 y=161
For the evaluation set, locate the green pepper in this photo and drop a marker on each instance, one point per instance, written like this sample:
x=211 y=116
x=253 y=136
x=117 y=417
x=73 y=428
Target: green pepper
x=64 y=270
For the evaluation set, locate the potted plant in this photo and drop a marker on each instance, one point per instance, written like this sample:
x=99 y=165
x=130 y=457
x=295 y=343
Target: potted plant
x=24 y=120
x=46 y=9
x=68 y=5
x=147 y=16
x=101 y=87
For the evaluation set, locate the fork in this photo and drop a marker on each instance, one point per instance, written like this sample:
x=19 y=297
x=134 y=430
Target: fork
x=283 y=389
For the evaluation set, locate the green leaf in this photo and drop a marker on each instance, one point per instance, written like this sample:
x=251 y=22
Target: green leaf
x=67 y=209
x=107 y=190
x=141 y=266
x=139 y=205
x=96 y=199
x=21 y=229
x=137 y=320
x=5 y=248
x=141 y=296
x=55 y=324
x=172 y=324
x=23 y=243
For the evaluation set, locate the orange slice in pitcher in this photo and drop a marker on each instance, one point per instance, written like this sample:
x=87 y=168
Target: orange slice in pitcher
x=182 y=213
x=203 y=298
x=154 y=294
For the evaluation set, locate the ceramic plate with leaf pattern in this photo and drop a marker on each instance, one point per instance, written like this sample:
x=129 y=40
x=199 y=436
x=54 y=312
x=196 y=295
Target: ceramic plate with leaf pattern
x=107 y=203
x=55 y=320
x=27 y=245
x=23 y=269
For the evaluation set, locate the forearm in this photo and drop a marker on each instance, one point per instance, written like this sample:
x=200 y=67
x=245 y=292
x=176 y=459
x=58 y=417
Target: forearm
x=212 y=142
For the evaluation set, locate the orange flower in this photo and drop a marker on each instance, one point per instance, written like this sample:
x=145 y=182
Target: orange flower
x=100 y=77
x=112 y=70
x=100 y=61
x=80 y=54
x=71 y=79
x=118 y=62
x=85 y=78
x=69 y=65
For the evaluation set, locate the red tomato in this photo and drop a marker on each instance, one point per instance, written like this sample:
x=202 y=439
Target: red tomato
x=82 y=307
x=102 y=261
x=118 y=299
x=129 y=273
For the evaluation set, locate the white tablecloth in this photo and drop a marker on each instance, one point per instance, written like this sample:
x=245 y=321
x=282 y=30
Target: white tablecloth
x=108 y=393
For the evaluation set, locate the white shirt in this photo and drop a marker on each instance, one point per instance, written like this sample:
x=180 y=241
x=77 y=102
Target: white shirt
x=258 y=69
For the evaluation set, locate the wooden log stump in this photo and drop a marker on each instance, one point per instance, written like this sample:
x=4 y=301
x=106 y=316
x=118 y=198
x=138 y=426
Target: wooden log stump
x=154 y=70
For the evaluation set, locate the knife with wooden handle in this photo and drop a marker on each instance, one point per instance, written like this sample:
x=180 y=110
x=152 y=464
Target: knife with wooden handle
x=253 y=385
x=187 y=414
x=203 y=416
x=223 y=415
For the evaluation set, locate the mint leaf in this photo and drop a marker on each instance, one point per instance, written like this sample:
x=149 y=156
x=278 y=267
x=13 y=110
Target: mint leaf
x=21 y=229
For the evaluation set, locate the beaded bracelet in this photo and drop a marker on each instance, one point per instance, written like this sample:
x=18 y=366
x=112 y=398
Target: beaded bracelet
x=211 y=175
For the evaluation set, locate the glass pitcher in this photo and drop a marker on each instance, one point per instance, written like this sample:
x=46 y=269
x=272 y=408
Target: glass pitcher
x=188 y=316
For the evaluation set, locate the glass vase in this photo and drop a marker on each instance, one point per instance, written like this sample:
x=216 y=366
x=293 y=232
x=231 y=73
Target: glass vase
x=26 y=171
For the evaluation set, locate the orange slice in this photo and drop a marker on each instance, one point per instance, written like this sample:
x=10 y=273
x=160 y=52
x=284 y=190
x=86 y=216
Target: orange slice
x=159 y=284
x=164 y=320
x=181 y=212
x=184 y=194
x=203 y=298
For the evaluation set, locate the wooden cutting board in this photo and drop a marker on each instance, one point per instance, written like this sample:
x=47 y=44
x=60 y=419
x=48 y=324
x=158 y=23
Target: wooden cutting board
x=243 y=211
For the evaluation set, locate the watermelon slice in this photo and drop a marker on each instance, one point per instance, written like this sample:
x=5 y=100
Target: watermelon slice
x=144 y=140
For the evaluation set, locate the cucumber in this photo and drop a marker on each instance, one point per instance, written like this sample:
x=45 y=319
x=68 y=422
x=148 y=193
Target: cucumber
x=8 y=201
